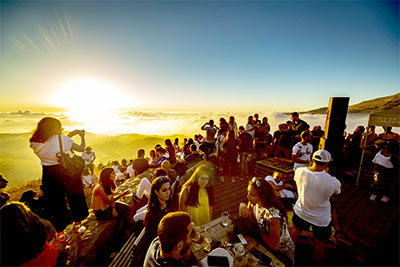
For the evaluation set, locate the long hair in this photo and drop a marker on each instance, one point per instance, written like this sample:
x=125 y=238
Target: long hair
x=153 y=203
x=230 y=138
x=267 y=195
x=193 y=187
x=45 y=128
x=105 y=180
x=23 y=235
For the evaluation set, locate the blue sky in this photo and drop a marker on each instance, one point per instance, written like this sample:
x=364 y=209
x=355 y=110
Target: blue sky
x=201 y=55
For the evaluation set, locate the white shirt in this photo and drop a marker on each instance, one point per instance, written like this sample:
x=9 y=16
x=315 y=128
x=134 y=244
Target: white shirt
x=88 y=157
x=47 y=151
x=248 y=127
x=305 y=154
x=87 y=181
x=131 y=171
x=315 y=189
x=383 y=160
x=284 y=192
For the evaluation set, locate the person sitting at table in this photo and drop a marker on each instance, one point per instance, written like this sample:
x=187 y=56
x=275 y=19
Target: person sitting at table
x=158 y=206
x=173 y=246
x=104 y=203
x=284 y=190
x=266 y=208
x=197 y=196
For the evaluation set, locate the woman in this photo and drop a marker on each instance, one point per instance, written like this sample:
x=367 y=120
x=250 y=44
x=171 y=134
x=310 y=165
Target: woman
x=223 y=124
x=45 y=144
x=197 y=196
x=176 y=146
x=186 y=147
x=23 y=238
x=104 y=203
x=233 y=126
x=157 y=206
x=231 y=154
x=266 y=125
x=269 y=212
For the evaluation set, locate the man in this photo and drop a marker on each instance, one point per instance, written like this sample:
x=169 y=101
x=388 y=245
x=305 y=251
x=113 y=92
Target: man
x=173 y=245
x=315 y=187
x=89 y=156
x=301 y=152
x=282 y=141
x=140 y=165
x=211 y=130
x=260 y=140
x=287 y=197
x=296 y=127
x=245 y=146
x=317 y=133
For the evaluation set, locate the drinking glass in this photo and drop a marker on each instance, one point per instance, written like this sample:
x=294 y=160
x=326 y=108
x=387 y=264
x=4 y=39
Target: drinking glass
x=209 y=234
x=239 y=252
x=225 y=218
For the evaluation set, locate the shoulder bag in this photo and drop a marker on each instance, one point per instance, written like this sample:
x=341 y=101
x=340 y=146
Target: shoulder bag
x=72 y=167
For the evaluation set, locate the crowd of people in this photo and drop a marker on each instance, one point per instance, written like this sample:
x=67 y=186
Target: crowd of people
x=175 y=207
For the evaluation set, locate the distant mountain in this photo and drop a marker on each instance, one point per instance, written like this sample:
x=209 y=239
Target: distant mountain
x=377 y=104
x=20 y=165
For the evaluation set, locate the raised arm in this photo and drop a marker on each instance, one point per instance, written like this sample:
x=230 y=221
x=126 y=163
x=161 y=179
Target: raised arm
x=76 y=147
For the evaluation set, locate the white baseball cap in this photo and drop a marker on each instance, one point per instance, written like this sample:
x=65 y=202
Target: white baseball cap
x=322 y=156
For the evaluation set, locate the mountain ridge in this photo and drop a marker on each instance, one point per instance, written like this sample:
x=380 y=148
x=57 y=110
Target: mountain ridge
x=367 y=106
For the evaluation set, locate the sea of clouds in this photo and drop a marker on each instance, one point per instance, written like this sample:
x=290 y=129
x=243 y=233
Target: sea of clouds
x=157 y=123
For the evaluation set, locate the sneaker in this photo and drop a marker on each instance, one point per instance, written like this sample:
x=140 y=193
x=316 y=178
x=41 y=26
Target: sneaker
x=385 y=199
x=372 y=197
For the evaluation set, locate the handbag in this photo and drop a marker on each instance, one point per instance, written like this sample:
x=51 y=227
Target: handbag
x=71 y=167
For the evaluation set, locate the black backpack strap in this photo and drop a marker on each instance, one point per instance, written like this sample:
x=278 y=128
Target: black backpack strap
x=59 y=140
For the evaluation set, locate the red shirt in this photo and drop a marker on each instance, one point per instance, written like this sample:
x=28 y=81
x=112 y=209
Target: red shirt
x=48 y=257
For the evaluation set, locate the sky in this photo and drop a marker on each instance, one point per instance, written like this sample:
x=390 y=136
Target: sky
x=96 y=56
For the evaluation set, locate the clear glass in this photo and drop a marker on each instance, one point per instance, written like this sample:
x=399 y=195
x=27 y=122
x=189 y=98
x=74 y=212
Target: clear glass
x=239 y=252
x=225 y=218
x=209 y=234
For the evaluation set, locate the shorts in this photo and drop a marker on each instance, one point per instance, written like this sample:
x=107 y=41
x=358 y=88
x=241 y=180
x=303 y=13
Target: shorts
x=322 y=233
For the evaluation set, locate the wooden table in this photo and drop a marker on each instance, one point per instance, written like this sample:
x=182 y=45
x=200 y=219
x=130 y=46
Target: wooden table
x=268 y=166
x=221 y=234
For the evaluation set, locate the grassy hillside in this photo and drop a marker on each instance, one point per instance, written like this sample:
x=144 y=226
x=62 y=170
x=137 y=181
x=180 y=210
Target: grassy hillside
x=377 y=104
x=20 y=165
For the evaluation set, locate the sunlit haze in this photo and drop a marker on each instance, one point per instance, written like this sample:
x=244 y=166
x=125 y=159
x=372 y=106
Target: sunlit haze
x=89 y=58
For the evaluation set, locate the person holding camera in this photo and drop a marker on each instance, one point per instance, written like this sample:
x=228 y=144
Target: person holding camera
x=45 y=142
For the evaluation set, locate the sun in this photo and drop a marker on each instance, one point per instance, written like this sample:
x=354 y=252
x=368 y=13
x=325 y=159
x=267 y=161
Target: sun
x=89 y=101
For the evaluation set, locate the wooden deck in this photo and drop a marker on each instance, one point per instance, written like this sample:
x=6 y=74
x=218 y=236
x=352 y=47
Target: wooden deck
x=370 y=228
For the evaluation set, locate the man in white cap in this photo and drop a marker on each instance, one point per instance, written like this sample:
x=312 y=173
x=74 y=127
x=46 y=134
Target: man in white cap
x=315 y=186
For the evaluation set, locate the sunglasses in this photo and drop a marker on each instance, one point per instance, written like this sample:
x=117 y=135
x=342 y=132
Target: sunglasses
x=162 y=179
x=256 y=181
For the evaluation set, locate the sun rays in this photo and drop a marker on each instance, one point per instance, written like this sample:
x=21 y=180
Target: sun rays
x=46 y=39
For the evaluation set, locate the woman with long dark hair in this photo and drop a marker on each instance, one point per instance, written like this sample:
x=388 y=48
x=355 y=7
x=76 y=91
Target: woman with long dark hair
x=266 y=208
x=158 y=206
x=104 y=202
x=197 y=196
x=171 y=151
x=45 y=144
